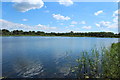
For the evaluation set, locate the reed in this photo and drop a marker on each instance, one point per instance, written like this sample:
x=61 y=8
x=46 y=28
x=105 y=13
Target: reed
x=99 y=64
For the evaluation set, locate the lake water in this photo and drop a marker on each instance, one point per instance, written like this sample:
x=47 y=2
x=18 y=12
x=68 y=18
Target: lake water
x=45 y=57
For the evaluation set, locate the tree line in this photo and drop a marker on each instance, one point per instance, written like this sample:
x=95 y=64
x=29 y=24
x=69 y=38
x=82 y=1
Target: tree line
x=5 y=32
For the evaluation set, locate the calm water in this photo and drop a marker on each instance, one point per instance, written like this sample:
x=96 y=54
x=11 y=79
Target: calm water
x=45 y=57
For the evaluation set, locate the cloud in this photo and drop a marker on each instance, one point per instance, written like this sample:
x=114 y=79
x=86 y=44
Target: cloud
x=115 y=19
x=45 y=6
x=114 y=25
x=116 y=13
x=26 y=5
x=82 y=22
x=107 y=24
x=74 y=22
x=65 y=2
x=44 y=27
x=98 y=12
x=14 y=26
x=60 y=17
x=116 y=1
x=98 y=25
x=24 y=19
x=11 y=26
x=110 y=24
x=86 y=27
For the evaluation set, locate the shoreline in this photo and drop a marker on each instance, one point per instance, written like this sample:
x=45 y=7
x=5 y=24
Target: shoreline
x=51 y=36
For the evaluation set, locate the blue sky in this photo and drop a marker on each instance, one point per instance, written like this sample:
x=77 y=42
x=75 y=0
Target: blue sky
x=60 y=17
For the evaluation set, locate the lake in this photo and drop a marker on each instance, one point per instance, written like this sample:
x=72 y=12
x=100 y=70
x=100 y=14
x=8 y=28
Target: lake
x=45 y=57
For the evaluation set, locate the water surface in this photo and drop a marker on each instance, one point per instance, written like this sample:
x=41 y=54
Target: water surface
x=45 y=57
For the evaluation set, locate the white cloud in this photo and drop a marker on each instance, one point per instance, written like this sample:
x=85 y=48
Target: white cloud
x=115 y=13
x=98 y=25
x=116 y=1
x=26 y=5
x=24 y=19
x=82 y=22
x=73 y=22
x=114 y=25
x=65 y=2
x=44 y=27
x=60 y=17
x=45 y=6
x=115 y=19
x=13 y=26
x=87 y=27
x=107 y=24
x=98 y=12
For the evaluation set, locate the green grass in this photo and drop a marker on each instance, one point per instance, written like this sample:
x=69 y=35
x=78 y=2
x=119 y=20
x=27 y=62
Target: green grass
x=104 y=64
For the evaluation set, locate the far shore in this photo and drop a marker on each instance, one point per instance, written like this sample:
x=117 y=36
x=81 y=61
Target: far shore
x=53 y=36
x=5 y=32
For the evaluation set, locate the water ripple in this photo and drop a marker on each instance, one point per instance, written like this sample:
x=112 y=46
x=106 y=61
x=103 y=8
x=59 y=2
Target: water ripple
x=30 y=71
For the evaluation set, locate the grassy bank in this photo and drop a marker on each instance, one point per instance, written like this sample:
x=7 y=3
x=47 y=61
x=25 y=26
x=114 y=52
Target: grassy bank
x=104 y=64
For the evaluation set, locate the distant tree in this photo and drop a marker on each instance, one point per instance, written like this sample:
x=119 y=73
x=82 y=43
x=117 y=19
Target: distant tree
x=119 y=34
x=41 y=33
x=5 y=32
x=17 y=32
x=30 y=33
x=71 y=32
x=0 y=32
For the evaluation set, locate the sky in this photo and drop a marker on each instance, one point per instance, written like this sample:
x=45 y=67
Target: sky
x=61 y=16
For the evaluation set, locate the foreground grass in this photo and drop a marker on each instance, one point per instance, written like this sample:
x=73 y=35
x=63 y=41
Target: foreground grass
x=104 y=64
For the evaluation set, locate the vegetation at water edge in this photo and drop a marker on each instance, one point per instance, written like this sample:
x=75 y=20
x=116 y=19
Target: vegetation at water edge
x=104 y=64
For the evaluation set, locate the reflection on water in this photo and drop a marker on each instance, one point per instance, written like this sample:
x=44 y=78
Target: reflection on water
x=27 y=68
x=45 y=57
